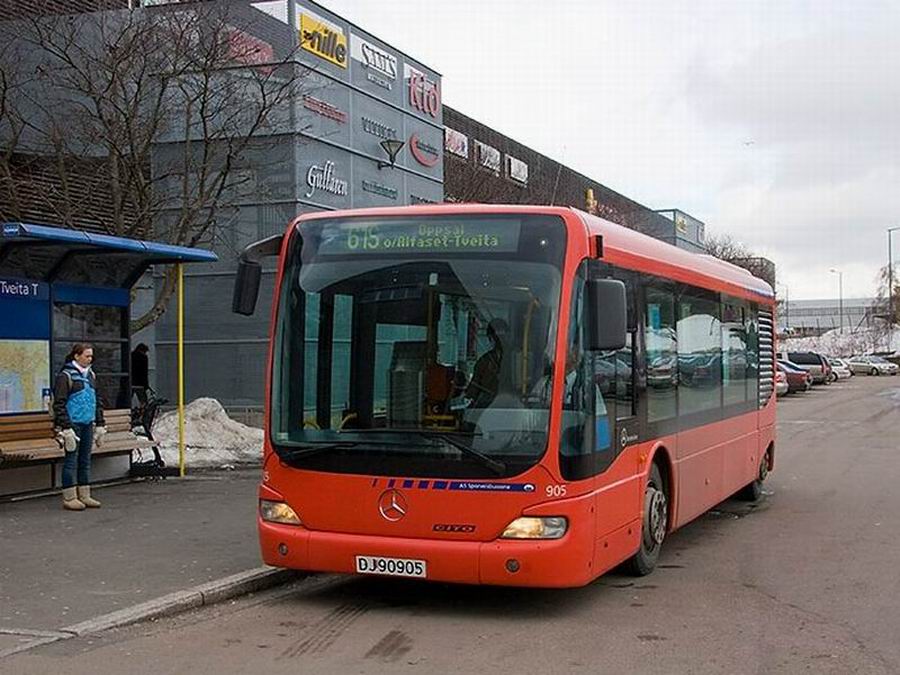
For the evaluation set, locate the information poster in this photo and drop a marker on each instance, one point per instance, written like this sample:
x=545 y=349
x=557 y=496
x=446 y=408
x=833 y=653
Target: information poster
x=24 y=376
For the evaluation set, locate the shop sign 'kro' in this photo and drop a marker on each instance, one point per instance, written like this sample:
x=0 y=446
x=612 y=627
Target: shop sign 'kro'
x=424 y=94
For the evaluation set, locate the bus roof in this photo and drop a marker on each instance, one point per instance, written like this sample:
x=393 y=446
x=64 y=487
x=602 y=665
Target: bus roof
x=621 y=245
x=640 y=251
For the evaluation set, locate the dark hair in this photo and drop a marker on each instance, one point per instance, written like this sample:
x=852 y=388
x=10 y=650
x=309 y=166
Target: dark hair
x=142 y=348
x=77 y=349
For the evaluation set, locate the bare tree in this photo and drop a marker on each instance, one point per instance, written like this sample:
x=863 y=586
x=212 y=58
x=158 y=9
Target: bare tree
x=730 y=250
x=142 y=123
x=886 y=308
x=726 y=248
x=468 y=181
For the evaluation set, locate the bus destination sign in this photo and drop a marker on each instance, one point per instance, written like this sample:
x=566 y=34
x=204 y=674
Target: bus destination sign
x=433 y=236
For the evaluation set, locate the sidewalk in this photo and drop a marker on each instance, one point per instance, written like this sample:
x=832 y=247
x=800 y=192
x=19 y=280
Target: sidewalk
x=150 y=538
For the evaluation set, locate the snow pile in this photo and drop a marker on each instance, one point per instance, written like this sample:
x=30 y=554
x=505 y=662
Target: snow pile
x=211 y=437
x=835 y=343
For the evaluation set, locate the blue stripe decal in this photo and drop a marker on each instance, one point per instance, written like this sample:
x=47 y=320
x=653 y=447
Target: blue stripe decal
x=458 y=485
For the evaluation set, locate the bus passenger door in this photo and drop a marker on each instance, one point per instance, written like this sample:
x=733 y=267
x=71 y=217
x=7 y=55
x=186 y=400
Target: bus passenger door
x=618 y=489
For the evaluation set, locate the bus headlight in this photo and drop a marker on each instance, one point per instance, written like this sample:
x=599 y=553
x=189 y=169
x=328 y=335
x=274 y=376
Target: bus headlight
x=278 y=512
x=529 y=527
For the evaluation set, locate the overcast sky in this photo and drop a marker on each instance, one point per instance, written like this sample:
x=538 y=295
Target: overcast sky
x=774 y=121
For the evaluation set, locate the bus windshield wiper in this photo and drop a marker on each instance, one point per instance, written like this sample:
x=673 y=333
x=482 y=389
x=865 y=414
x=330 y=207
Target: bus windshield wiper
x=494 y=465
x=307 y=449
x=298 y=450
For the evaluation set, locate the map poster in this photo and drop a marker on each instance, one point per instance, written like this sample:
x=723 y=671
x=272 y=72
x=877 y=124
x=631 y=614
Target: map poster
x=24 y=376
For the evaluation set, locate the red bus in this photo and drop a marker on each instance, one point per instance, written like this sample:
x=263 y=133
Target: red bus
x=509 y=395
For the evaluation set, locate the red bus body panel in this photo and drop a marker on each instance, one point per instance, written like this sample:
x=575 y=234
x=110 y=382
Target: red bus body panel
x=340 y=512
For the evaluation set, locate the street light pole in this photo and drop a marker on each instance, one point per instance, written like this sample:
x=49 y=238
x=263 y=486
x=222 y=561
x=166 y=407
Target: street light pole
x=891 y=290
x=840 y=296
x=787 y=306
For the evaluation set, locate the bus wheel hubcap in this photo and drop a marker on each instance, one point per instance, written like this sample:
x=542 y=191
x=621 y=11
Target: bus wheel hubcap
x=655 y=505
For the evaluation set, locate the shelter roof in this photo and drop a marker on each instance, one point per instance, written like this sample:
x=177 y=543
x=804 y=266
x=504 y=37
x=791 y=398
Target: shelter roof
x=55 y=254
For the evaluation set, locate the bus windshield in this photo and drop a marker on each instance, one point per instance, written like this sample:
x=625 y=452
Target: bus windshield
x=417 y=346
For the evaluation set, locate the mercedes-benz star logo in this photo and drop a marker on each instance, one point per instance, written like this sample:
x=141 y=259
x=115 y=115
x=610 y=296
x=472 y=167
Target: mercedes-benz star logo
x=392 y=505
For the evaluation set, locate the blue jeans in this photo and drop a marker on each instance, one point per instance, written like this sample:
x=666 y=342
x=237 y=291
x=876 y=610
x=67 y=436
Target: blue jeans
x=77 y=463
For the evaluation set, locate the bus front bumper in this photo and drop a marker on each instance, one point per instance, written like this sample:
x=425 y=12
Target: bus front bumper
x=559 y=563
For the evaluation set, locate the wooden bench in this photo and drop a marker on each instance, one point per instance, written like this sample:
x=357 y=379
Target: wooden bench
x=119 y=436
x=28 y=441
x=27 y=438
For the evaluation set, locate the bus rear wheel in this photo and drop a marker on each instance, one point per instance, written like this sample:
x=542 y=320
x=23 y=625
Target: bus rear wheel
x=654 y=525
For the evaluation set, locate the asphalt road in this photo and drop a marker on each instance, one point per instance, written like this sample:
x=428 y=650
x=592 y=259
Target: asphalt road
x=807 y=581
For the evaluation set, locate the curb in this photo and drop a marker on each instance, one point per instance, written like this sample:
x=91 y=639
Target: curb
x=181 y=601
x=204 y=595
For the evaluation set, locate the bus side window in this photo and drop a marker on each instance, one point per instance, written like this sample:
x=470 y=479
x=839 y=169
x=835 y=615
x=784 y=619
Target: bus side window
x=624 y=384
x=661 y=352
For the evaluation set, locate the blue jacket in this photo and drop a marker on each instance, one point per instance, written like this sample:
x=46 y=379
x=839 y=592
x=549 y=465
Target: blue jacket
x=67 y=384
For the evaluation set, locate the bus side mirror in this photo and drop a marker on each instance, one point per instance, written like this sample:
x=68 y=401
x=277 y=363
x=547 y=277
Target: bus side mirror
x=249 y=274
x=246 y=287
x=607 y=315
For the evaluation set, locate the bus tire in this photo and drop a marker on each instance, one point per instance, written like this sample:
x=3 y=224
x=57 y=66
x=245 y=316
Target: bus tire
x=753 y=491
x=654 y=525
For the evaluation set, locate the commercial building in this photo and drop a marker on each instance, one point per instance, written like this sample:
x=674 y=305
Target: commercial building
x=815 y=317
x=327 y=148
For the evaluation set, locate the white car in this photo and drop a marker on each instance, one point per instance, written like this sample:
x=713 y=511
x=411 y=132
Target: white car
x=840 y=369
x=872 y=365
x=781 y=383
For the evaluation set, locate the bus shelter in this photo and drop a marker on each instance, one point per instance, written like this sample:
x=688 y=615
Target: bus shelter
x=59 y=287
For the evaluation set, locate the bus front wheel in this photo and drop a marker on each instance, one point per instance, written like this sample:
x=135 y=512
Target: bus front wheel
x=754 y=490
x=654 y=525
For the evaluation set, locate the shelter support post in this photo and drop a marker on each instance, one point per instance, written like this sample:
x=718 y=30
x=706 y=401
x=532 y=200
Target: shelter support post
x=180 y=268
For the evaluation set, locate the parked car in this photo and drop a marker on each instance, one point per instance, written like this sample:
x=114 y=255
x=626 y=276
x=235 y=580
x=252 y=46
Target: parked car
x=781 y=384
x=797 y=378
x=840 y=370
x=872 y=365
x=815 y=364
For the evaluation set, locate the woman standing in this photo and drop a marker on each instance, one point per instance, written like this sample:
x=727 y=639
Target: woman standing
x=76 y=411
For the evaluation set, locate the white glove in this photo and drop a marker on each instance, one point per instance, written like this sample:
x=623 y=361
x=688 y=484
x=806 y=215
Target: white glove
x=69 y=439
x=99 y=433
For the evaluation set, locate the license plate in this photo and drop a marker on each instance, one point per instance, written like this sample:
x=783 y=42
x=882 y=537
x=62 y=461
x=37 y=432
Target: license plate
x=393 y=567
